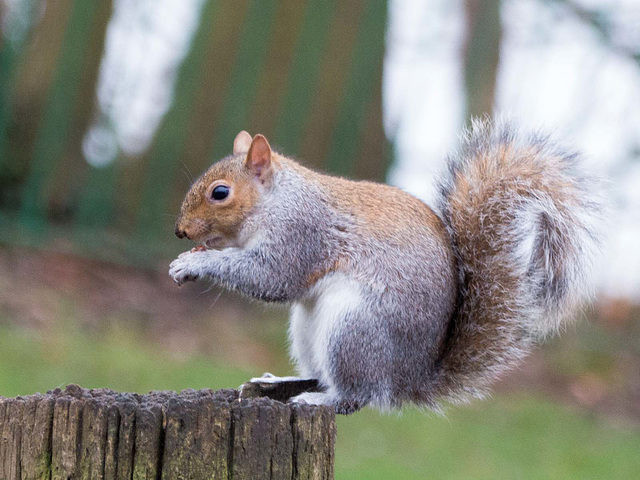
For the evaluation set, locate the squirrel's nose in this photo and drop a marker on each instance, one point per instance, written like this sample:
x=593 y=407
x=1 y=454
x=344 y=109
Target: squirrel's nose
x=181 y=233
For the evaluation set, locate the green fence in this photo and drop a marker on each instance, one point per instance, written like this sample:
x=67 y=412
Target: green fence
x=307 y=74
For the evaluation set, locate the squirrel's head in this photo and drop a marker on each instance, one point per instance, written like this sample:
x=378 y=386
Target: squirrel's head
x=220 y=201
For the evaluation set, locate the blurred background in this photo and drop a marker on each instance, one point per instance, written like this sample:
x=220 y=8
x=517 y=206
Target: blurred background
x=109 y=109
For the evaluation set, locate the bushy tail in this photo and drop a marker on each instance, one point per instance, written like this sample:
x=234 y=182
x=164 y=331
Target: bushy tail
x=526 y=224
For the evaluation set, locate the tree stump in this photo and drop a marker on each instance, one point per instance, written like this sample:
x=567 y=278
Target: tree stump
x=101 y=434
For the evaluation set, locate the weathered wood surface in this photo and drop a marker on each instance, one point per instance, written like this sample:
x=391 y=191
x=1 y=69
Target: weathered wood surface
x=101 y=434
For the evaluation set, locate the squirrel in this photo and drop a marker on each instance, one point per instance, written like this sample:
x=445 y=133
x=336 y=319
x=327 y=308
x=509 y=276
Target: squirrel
x=393 y=302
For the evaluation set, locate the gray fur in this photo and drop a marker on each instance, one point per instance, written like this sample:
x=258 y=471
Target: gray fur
x=410 y=316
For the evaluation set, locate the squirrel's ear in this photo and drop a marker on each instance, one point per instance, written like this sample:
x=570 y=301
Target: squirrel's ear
x=259 y=158
x=242 y=143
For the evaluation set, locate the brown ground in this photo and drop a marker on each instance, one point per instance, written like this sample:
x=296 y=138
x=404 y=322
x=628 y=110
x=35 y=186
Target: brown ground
x=594 y=365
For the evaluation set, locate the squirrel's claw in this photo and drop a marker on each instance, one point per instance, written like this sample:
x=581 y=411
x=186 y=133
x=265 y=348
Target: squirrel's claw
x=180 y=270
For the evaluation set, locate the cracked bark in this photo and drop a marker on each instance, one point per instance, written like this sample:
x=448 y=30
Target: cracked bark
x=101 y=434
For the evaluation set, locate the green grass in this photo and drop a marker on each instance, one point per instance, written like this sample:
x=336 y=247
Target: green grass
x=510 y=438
x=37 y=361
x=514 y=437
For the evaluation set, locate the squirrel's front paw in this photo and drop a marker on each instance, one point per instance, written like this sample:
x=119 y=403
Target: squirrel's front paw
x=184 y=268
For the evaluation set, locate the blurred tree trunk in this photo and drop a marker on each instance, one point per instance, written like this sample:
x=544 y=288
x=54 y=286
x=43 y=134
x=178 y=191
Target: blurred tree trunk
x=303 y=75
x=65 y=188
x=280 y=55
x=221 y=50
x=53 y=130
x=335 y=63
x=359 y=92
x=374 y=155
x=240 y=93
x=481 y=55
x=30 y=45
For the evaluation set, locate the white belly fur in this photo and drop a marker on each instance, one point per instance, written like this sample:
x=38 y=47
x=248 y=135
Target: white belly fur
x=318 y=317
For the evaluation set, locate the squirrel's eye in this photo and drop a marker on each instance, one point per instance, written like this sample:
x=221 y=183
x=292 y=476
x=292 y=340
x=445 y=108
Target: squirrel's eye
x=220 y=192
